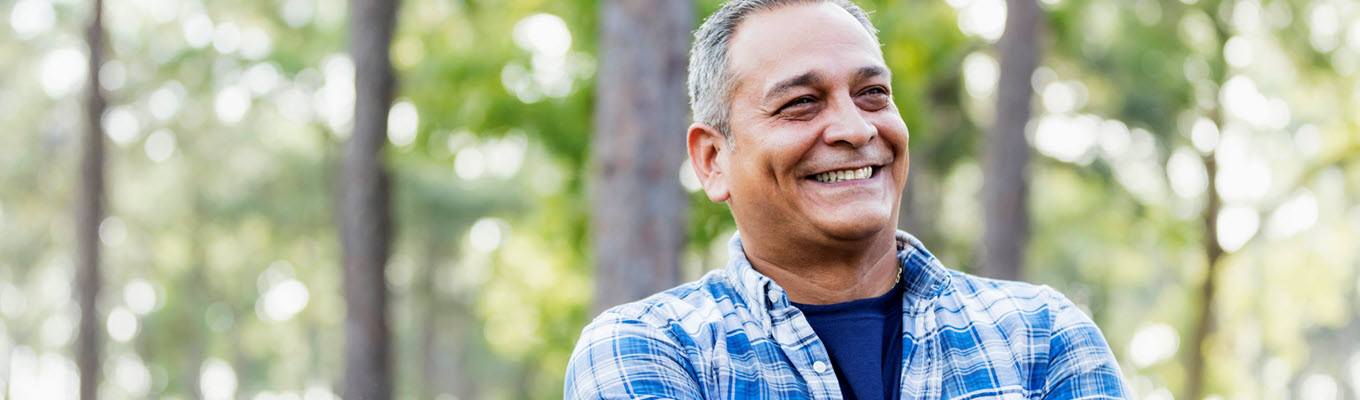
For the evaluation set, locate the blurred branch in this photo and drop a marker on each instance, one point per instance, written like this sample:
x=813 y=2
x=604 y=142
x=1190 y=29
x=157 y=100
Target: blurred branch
x=1351 y=154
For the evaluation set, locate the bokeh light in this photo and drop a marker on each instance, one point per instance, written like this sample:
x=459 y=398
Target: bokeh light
x=217 y=380
x=226 y=124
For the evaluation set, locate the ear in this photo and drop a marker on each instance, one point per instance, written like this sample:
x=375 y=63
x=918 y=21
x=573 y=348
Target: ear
x=708 y=155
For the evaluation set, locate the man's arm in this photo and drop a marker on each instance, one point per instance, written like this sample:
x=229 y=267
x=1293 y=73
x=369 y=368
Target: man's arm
x=1081 y=365
x=621 y=358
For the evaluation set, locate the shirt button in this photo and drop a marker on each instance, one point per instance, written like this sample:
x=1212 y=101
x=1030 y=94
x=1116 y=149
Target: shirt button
x=819 y=366
x=774 y=297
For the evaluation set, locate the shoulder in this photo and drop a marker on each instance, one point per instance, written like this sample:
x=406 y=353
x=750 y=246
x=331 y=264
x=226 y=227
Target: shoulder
x=1000 y=300
x=1039 y=321
x=1030 y=319
x=647 y=346
x=694 y=301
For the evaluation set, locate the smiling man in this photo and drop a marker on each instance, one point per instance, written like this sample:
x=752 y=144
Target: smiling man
x=823 y=297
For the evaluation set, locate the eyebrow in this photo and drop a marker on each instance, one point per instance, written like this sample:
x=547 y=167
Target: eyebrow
x=871 y=72
x=806 y=79
x=812 y=78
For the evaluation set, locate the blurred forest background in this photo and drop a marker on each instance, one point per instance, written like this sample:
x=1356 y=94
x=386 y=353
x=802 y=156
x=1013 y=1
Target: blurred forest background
x=1185 y=170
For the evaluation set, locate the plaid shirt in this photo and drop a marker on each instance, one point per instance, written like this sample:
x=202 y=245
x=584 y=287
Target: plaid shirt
x=734 y=335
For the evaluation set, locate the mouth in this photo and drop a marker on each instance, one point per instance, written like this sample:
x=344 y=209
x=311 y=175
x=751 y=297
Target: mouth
x=846 y=174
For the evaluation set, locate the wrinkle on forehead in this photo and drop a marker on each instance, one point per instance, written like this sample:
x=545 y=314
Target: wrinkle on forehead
x=769 y=43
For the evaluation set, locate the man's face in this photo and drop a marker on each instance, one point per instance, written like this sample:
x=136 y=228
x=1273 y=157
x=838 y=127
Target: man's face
x=820 y=148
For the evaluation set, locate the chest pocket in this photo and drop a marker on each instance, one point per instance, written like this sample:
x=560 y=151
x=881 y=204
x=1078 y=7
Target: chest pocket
x=982 y=362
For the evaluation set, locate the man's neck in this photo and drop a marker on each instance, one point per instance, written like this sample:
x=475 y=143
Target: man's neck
x=827 y=274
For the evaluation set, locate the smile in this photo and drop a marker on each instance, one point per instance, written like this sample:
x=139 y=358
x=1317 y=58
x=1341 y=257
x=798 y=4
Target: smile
x=845 y=175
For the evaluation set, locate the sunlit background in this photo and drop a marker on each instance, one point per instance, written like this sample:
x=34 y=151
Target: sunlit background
x=226 y=118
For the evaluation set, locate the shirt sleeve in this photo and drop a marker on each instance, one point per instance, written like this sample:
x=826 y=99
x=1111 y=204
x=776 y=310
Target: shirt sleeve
x=622 y=358
x=1081 y=365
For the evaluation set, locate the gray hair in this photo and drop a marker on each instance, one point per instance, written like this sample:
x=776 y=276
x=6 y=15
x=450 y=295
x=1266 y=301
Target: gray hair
x=711 y=83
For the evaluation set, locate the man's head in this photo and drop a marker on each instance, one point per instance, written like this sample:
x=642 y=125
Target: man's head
x=792 y=99
x=711 y=81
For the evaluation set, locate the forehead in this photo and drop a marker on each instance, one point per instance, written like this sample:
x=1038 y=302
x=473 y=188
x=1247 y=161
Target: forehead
x=788 y=41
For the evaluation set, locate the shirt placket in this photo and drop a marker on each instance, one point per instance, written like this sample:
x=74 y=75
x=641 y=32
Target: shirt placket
x=800 y=344
x=921 y=375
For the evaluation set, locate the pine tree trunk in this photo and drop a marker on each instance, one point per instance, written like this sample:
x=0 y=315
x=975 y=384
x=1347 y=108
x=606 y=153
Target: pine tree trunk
x=1005 y=187
x=364 y=205
x=89 y=214
x=641 y=112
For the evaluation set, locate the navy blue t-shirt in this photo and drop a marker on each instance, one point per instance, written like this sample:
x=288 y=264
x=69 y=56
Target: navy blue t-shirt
x=864 y=339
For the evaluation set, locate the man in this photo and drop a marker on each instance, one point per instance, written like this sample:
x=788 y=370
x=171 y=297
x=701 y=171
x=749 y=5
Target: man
x=823 y=298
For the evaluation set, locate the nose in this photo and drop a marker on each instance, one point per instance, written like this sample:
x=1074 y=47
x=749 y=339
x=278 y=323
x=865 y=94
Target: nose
x=847 y=125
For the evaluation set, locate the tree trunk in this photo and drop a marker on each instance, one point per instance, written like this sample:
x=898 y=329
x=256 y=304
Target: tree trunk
x=429 y=319
x=1005 y=183
x=641 y=112
x=89 y=213
x=1213 y=251
x=197 y=280
x=364 y=214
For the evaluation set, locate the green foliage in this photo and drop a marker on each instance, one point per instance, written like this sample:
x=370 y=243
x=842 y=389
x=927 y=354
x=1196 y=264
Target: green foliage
x=490 y=273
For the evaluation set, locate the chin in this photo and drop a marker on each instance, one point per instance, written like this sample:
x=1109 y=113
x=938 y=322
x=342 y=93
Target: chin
x=857 y=227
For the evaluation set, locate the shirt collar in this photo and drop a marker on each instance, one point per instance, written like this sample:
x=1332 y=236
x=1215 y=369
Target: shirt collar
x=924 y=277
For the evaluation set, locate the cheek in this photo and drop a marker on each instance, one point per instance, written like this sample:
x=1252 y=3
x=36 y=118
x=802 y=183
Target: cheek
x=778 y=149
x=894 y=130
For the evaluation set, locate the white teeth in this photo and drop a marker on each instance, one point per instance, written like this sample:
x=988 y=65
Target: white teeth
x=845 y=175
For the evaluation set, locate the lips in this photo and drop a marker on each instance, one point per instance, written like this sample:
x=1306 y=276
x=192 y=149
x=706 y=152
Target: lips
x=845 y=175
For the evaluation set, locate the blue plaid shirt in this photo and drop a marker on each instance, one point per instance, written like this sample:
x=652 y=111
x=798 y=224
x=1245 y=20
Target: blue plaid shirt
x=734 y=335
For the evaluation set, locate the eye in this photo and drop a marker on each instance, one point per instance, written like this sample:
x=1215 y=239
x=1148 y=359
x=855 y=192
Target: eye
x=876 y=90
x=800 y=100
x=797 y=102
x=874 y=98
